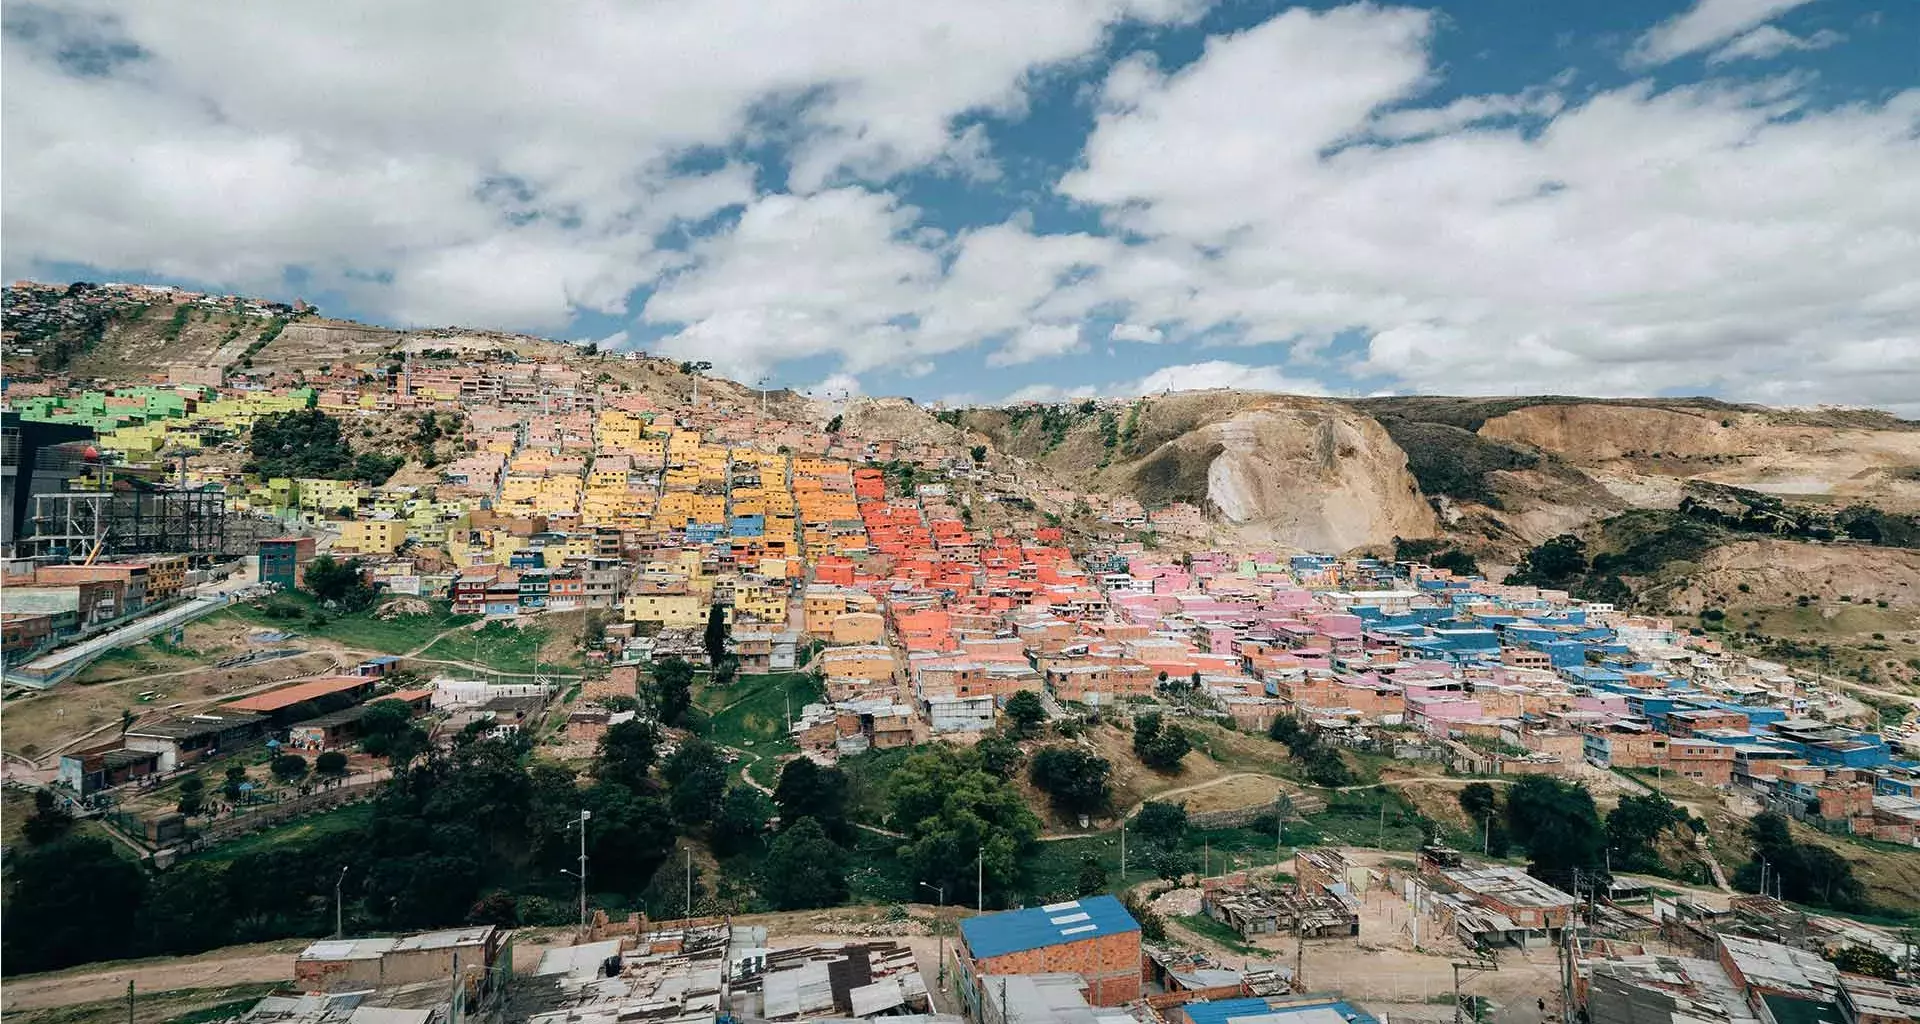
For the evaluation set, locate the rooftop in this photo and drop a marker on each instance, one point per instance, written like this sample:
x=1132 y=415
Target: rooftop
x=1056 y=924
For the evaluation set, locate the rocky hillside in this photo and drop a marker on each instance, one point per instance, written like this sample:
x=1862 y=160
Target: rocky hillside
x=1275 y=469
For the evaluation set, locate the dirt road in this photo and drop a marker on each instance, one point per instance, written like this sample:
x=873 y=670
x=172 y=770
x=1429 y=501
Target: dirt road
x=261 y=962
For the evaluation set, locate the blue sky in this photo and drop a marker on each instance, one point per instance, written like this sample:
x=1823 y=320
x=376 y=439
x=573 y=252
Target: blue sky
x=1015 y=198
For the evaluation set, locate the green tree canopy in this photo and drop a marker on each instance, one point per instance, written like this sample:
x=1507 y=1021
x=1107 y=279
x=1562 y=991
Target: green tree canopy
x=696 y=777
x=1161 y=823
x=627 y=753
x=1026 y=711
x=1159 y=746
x=804 y=869
x=956 y=815
x=70 y=901
x=742 y=820
x=1557 y=823
x=807 y=790
x=1073 y=777
x=672 y=690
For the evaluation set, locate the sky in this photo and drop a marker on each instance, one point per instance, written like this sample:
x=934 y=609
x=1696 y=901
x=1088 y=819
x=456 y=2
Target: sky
x=1019 y=199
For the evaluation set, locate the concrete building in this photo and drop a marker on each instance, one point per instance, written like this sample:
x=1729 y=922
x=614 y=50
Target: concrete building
x=342 y=963
x=1094 y=938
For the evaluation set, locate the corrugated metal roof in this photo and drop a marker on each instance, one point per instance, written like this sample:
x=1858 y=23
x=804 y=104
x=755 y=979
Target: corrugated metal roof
x=993 y=935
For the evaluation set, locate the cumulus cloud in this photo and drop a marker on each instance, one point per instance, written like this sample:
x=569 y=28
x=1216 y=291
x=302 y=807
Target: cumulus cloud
x=1706 y=24
x=1142 y=333
x=1767 y=42
x=1219 y=373
x=1038 y=341
x=1721 y=234
x=1048 y=393
x=468 y=159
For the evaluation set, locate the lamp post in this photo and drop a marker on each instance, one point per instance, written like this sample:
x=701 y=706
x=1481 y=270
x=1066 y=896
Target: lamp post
x=940 y=920
x=581 y=821
x=338 y=931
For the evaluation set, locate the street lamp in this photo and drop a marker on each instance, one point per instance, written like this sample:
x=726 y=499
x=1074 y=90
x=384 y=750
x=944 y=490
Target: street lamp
x=585 y=816
x=337 y=930
x=939 y=921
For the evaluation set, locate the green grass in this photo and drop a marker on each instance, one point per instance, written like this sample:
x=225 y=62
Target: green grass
x=355 y=629
x=752 y=713
x=498 y=647
x=1206 y=927
x=351 y=818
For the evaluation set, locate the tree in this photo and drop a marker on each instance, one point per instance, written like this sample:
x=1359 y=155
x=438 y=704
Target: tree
x=71 y=901
x=1634 y=825
x=1554 y=563
x=302 y=443
x=1288 y=730
x=1478 y=800
x=1865 y=960
x=834 y=424
x=387 y=730
x=1325 y=767
x=236 y=777
x=627 y=752
x=1160 y=823
x=667 y=892
x=1799 y=872
x=1093 y=876
x=497 y=908
x=1074 y=777
x=1158 y=746
x=999 y=754
x=979 y=453
x=332 y=764
x=1557 y=823
x=289 y=767
x=959 y=819
x=672 y=689
x=807 y=790
x=804 y=869
x=49 y=821
x=1027 y=712
x=193 y=796
x=715 y=637
x=1153 y=928
x=1171 y=863
x=343 y=583
x=742 y=820
x=696 y=777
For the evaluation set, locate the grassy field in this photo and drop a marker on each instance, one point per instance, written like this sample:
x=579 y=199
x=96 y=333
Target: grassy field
x=520 y=649
x=356 y=629
x=752 y=713
x=350 y=818
x=1207 y=928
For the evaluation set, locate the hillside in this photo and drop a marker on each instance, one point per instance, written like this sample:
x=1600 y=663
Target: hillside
x=1275 y=469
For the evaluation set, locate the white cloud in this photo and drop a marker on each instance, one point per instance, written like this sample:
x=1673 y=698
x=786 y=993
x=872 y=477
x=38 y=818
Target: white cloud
x=1142 y=333
x=836 y=388
x=1706 y=24
x=1717 y=237
x=1219 y=374
x=467 y=159
x=1038 y=341
x=1048 y=393
x=1767 y=42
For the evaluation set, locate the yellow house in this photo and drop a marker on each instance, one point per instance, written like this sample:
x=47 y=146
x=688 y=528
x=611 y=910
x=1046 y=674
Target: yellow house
x=762 y=601
x=865 y=662
x=670 y=610
x=372 y=536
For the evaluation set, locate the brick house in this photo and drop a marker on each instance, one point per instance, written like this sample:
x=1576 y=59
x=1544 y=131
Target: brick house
x=1093 y=937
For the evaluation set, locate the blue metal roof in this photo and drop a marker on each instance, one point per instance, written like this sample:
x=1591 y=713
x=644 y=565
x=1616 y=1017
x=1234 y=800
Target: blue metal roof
x=1056 y=924
x=1223 y=1011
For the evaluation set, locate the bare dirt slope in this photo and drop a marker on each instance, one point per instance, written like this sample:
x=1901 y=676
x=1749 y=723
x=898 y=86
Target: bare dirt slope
x=1315 y=475
x=1854 y=457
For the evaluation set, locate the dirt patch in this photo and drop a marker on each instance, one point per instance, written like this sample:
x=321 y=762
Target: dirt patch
x=233 y=965
x=404 y=607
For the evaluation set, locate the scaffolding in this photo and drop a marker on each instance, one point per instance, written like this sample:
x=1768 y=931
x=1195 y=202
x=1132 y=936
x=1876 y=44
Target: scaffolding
x=128 y=519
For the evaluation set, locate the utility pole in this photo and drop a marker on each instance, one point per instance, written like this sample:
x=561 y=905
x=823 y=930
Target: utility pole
x=129 y=1001
x=1381 y=842
x=1299 y=983
x=939 y=921
x=581 y=875
x=1486 y=837
x=980 y=881
x=338 y=931
x=1123 y=853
